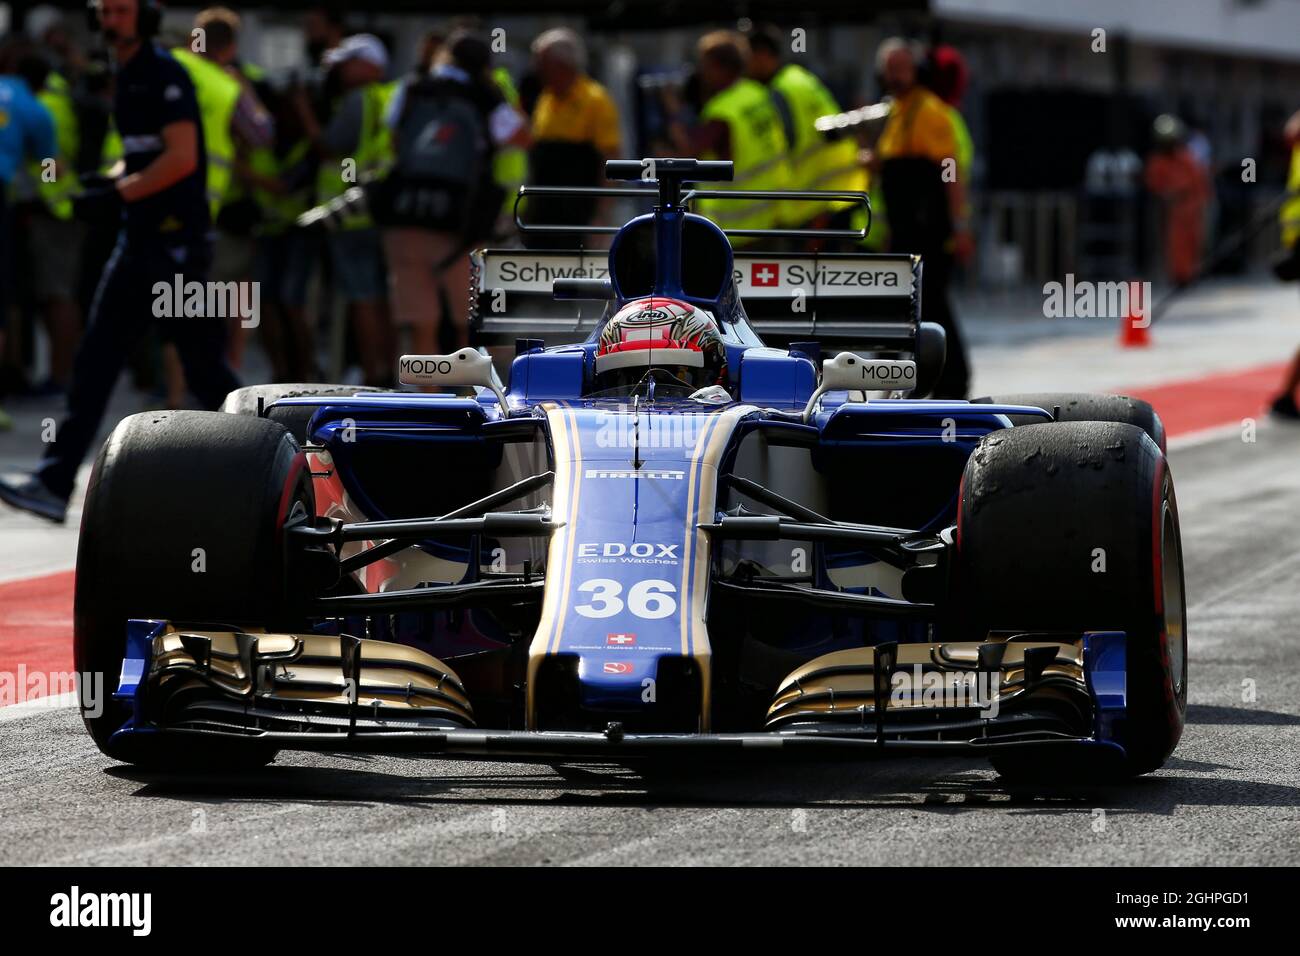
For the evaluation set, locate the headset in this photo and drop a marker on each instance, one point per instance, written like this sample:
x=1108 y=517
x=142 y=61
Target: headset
x=148 y=19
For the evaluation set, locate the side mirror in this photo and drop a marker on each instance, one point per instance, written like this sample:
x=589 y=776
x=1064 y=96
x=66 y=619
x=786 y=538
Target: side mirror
x=849 y=372
x=931 y=353
x=466 y=367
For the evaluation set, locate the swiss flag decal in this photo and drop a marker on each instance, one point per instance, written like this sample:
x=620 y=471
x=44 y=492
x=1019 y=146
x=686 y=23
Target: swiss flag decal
x=765 y=273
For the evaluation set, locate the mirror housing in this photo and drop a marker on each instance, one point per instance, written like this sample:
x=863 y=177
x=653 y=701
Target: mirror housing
x=466 y=367
x=931 y=355
x=850 y=372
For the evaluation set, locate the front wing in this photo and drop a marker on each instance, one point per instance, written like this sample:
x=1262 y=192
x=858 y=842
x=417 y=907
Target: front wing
x=324 y=693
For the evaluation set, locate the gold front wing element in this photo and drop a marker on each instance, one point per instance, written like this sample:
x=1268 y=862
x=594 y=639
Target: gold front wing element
x=300 y=669
x=840 y=685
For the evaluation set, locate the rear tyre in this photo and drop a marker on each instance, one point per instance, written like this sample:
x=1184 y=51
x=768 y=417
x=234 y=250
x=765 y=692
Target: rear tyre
x=164 y=485
x=1085 y=407
x=1074 y=526
x=244 y=401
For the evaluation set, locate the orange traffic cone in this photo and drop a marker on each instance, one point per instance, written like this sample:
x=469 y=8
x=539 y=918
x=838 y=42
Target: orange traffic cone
x=1133 y=330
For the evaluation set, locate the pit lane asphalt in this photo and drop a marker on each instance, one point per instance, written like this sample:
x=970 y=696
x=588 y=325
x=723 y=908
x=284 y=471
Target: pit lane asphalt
x=1230 y=795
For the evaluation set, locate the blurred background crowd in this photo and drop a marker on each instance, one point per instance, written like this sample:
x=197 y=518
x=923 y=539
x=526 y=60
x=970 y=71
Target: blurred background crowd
x=1007 y=153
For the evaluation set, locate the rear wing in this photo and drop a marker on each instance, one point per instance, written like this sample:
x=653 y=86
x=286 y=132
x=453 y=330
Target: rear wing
x=867 y=302
x=854 y=301
x=510 y=295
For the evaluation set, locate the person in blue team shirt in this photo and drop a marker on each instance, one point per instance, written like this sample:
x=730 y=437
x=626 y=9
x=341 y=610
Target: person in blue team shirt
x=26 y=133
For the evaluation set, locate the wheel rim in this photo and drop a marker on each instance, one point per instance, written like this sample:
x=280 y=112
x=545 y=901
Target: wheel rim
x=1171 y=562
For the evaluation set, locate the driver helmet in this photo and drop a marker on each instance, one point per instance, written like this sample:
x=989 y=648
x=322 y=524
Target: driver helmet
x=659 y=333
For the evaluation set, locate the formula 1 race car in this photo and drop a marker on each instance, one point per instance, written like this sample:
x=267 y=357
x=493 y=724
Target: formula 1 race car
x=664 y=537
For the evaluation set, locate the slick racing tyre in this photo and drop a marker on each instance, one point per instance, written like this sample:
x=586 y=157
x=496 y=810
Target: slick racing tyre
x=1073 y=526
x=243 y=401
x=184 y=520
x=1085 y=407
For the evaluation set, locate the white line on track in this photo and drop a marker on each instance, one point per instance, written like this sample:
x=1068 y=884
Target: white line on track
x=39 y=705
x=1269 y=570
x=34 y=573
x=1203 y=436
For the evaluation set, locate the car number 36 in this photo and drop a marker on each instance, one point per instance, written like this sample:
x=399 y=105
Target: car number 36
x=651 y=599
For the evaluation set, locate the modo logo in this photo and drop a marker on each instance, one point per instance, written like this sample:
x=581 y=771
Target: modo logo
x=899 y=372
x=425 y=366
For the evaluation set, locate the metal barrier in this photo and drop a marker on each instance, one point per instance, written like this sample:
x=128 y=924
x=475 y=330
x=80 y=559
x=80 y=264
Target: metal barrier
x=1026 y=238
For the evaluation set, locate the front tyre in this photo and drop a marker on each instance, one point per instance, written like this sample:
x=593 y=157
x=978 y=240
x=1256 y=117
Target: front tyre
x=251 y=399
x=1085 y=407
x=184 y=520
x=1073 y=526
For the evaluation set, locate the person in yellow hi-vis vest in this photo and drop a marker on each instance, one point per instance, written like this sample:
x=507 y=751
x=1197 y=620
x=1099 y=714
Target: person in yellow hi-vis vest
x=355 y=144
x=56 y=237
x=234 y=122
x=281 y=181
x=737 y=122
x=1284 y=406
x=510 y=164
x=234 y=119
x=218 y=94
x=816 y=161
